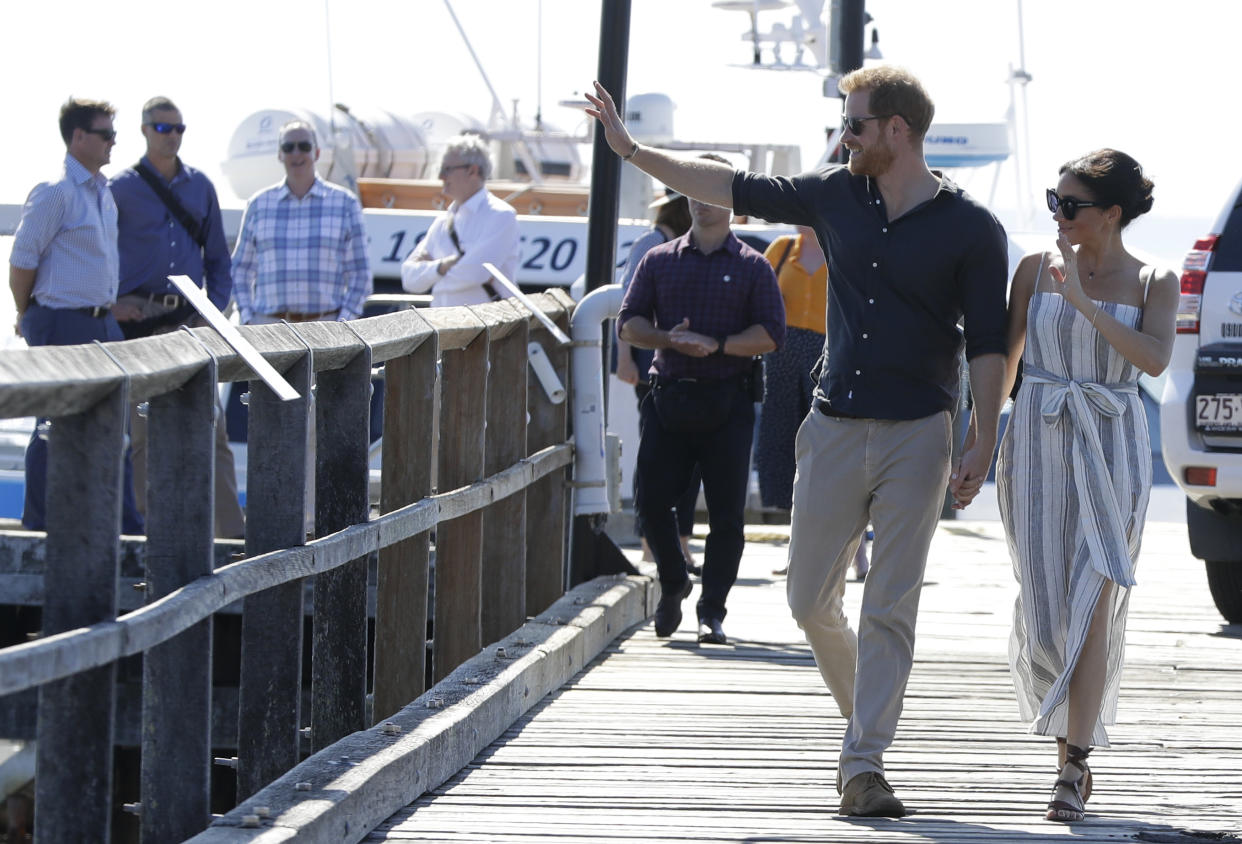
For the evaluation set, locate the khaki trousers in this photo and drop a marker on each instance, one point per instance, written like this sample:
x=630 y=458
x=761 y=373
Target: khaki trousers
x=849 y=471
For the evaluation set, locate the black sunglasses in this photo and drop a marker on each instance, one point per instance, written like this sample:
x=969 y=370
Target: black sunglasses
x=1068 y=205
x=165 y=128
x=290 y=146
x=855 y=124
x=106 y=134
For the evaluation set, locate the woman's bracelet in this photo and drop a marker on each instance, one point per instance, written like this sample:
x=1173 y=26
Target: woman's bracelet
x=1094 y=315
x=633 y=152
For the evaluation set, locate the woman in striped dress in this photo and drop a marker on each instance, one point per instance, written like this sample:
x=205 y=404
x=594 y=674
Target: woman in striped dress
x=1074 y=471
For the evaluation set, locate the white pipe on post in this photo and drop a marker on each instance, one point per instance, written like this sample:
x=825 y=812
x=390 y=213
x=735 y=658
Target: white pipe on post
x=587 y=369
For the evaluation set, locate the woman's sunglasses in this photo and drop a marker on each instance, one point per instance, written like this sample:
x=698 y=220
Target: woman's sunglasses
x=1068 y=205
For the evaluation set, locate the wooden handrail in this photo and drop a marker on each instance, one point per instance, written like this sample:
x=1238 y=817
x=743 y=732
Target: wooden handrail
x=61 y=380
x=457 y=389
x=32 y=664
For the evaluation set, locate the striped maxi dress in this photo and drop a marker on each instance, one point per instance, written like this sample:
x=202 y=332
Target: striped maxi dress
x=1073 y=478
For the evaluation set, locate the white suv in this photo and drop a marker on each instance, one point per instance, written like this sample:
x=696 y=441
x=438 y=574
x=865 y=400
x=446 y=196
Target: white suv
x=1201 y=409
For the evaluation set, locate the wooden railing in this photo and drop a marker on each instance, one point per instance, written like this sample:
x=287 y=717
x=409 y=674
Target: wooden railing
x=472 y=450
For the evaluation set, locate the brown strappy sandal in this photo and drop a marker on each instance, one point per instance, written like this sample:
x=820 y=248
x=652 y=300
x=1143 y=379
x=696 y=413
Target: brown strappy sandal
x=1064 y=811
x=1084 y=784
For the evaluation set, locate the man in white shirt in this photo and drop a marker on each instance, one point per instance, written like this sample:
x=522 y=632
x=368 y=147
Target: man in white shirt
x=476 y=228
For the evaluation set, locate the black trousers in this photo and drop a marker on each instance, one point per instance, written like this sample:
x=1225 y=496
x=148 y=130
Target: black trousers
x=666 y=461
x=686 y=502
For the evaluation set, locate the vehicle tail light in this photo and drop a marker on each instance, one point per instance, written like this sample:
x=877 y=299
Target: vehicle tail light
x=1194 y=271
x=1200 y=475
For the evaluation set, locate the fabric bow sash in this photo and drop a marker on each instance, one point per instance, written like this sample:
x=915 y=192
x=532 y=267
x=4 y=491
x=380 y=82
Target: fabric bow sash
x=1099 y=512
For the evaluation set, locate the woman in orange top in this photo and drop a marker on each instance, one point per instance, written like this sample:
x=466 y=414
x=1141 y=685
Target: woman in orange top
x=802 y=274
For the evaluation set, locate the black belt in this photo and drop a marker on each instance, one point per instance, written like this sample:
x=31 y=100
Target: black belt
x=742 y=378
x=171 y=301
x=97 y=312
x=825 y=408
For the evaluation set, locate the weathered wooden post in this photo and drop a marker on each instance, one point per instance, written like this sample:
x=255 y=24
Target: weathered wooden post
x=503 y=607
x=459 y=541
x=271 y=657
x=546 y=499
x=73 y=789
x=401 y=583
x=176 y=675
x=339 y=646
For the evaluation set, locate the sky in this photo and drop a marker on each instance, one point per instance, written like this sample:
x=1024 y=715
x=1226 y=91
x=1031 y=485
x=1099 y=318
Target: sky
x=1152 y=79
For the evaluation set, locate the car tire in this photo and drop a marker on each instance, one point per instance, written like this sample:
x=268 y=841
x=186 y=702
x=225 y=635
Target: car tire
x=1214 y=535
x=1225 y=582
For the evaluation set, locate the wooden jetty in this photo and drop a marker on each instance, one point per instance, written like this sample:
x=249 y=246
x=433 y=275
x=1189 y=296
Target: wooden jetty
x=467 y=437
x=662 y=740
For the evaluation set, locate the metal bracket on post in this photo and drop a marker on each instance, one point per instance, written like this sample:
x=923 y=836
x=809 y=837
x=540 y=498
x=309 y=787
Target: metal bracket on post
x=112 y=358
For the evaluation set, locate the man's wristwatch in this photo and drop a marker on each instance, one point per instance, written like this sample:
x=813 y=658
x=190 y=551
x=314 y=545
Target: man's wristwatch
x=720 y=344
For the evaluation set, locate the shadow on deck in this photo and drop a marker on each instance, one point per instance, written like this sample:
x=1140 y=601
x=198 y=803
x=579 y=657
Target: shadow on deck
x=662 y=740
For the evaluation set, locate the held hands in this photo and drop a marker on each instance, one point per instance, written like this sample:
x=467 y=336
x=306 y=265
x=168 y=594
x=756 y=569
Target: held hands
x=691 y=343
x=605 y=111
x=968 y=475
x=124 y=312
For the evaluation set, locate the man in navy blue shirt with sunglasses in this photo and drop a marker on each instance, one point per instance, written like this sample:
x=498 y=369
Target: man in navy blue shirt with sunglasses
x=910 y=256
x=169 y=223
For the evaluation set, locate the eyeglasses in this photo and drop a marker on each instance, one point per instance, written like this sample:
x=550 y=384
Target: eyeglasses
x=106 y=134
x=1068 y=205
x=855 y=124
x=289 y=146
x=166 y=128
x=449 y=168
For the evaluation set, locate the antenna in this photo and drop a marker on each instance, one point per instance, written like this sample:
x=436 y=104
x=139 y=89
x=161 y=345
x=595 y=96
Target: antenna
x=1019 y=77
x=342 y=143
x=498 y=111
x=539 y=68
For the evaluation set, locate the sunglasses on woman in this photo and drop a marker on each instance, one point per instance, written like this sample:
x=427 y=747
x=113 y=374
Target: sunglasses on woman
x=289 y=146
x=1068 y=205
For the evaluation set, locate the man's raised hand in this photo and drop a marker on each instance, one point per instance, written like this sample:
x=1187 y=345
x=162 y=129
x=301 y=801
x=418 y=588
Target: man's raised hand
x=605 y=112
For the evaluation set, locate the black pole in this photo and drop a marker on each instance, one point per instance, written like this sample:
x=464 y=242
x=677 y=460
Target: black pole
x=848 y=18
x=846 y=37
x=614 y=49
x=592 y=552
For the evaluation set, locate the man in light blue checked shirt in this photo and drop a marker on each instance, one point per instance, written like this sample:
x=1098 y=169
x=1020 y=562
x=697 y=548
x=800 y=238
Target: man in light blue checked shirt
x=301 y=254
x=63 y=272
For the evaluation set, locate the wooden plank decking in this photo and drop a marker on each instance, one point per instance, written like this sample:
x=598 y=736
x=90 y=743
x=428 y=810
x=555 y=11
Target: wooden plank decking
x=665 y=741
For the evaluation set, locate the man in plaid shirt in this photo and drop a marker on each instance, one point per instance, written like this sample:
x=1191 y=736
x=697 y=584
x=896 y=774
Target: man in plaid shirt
x=301 y=254
x=708 y=304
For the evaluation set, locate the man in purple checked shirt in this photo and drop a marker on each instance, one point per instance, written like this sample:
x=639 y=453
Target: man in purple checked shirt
x=708 y=304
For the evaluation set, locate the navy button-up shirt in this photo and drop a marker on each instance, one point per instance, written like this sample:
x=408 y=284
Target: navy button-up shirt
x=897 y=289
x=722 y=292
x=154 y=245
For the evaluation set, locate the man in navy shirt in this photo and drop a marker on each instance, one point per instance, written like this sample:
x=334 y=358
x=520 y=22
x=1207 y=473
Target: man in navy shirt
x=909 y=256
x=168 y=223
x=707 y=303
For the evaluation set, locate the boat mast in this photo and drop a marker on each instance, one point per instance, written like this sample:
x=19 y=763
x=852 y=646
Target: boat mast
x=498 y=111
x=1018 y=78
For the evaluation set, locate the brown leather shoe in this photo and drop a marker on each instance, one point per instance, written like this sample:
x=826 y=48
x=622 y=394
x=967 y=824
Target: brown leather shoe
x=869 y=795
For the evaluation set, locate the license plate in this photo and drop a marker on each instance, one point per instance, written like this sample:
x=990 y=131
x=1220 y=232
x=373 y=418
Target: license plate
x=1219 y=412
